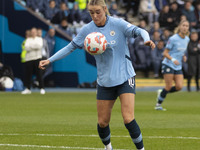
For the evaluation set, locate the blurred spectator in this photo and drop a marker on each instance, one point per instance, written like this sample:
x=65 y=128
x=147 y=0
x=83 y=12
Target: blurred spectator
x=132 y=4
x=58 y=2
x=85 y=16
x=165 y=19
x=75 y=15
x=50 y=38
x=114 y=11
x=148 y=11
x=157 y=58
x=143 y=54
x=193 y=60
x=71 y=4
x=165 y=36
x=82 y=4
x=183 y=17
x=36 y=5
x=156 y=37
x=156 y=27
x=23 y=53
x=33 y=46
x=190 y=15
x=160 y=4
x=45 y=48
x=64 y=27
x=197 y=14
x=62 y=13
x=175 y=14
x=51 y=10
x=142 y=24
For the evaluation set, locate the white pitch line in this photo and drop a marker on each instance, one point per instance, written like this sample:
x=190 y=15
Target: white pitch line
x=54 y=147
x=92 y=135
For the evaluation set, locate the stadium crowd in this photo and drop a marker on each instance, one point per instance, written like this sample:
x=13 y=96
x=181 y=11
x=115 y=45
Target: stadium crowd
x=158 y=17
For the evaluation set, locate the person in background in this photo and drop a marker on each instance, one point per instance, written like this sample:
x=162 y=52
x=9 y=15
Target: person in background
x=114 y=11
x=197 y=14
x=175 y=13
x=114 y=69
x=64 y=12
x=45 y=48
x=50 y=38
x=51 y=10
x=64 y=27
x=75 y=15
x=36 y=5
x=148 y=11
x=165 y=36
x=189 y=13
x=33 y=46
x=174 y=53
x=165 y=19
x=193 y=60
x=23 y=53
x=157 y=57
x=156 y=27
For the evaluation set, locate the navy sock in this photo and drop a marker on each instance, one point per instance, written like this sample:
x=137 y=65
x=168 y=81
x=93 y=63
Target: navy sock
x=163 y=94
x=135 y=133
x=104 y=134
x=173 y=89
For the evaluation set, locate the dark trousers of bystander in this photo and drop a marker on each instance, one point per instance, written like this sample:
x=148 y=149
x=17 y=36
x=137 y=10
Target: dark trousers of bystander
x=31 y=67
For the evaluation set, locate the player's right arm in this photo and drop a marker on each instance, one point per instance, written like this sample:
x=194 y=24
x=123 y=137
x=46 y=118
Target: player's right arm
x=166 y=54
x=59 y=55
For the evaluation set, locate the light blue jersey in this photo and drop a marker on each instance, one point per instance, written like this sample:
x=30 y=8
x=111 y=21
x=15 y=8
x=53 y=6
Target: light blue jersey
x=177 y=47
x=114 y=66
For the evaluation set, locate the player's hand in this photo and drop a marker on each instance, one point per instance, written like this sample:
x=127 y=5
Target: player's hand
x=43 y=63
x=150 y=43
x=176 y=62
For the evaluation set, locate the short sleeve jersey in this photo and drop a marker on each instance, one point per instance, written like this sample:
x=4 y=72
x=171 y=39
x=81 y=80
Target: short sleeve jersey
x=113 y=66
x=177 y=47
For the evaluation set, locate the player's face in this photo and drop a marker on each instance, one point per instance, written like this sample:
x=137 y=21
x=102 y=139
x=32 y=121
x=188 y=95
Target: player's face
x=184 y=27
x=98 y=14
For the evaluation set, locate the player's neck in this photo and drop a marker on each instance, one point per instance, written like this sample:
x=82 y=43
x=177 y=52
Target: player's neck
x=181 y=35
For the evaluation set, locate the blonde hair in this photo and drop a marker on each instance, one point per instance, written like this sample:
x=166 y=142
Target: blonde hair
x=99 y=3
x=177 y=29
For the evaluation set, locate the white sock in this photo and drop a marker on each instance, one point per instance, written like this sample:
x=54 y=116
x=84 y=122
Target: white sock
x=141 y=149
x=158 y=104
x=109 y=146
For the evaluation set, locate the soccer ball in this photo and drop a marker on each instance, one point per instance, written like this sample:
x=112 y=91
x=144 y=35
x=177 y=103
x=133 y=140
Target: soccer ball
x=95 y=43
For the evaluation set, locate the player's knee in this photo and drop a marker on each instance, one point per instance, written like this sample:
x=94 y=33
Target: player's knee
x=179 y=87
x=103 y=123
x=128 y=119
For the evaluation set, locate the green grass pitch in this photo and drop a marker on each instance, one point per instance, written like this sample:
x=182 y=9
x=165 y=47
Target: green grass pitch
x=69 y=120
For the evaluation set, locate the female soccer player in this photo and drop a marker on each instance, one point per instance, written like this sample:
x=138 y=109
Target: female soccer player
x=115 y=73
x=172 y=64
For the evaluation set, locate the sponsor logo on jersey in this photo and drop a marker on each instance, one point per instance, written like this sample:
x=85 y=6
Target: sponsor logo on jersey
x=112 y=42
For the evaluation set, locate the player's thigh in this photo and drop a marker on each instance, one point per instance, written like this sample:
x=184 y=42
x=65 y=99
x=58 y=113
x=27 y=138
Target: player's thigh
x=104 y=109
x=168 y=81
x=127 y=106
x=178 y=81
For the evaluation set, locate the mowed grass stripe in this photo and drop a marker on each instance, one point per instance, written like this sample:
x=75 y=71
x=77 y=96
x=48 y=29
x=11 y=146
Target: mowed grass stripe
x=75 y=114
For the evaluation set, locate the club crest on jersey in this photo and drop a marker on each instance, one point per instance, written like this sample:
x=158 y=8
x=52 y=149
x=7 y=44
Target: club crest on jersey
x=112 y=33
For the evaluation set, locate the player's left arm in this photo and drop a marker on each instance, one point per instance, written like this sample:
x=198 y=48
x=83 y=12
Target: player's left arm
x=145 y=35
